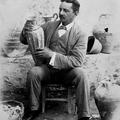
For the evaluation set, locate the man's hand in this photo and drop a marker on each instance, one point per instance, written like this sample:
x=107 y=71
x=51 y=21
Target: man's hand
x=45 y=53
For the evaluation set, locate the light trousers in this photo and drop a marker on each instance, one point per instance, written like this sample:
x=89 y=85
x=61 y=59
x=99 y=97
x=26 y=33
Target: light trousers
x=76 y=76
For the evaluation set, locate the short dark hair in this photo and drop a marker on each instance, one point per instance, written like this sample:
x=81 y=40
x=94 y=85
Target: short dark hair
x=75 y=4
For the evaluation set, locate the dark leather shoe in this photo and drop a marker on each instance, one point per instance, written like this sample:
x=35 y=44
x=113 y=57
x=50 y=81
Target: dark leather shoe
x=84 y=118
x=31 y=115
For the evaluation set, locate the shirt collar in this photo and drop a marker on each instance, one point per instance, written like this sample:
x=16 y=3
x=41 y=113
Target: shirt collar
x=68 y=26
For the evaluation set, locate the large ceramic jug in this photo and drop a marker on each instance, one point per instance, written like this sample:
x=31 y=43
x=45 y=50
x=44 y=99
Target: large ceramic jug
x=34 y=35
x=107 y=99
x=102 y=31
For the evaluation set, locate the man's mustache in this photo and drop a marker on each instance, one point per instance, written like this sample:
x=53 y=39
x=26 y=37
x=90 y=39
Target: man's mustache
x=61 y=16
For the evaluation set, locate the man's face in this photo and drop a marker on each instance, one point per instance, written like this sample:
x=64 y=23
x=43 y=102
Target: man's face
x=66 y=13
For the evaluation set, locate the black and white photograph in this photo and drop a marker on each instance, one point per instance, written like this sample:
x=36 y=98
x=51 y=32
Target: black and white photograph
x=59 y=60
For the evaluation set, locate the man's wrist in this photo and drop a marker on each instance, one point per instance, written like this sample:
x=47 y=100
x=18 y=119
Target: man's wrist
x=52 y=59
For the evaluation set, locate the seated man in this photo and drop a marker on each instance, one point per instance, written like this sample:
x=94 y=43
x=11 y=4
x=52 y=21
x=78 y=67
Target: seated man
x=64 y=54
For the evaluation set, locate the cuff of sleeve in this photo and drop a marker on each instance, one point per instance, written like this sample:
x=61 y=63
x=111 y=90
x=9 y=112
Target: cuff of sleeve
x=52 y=60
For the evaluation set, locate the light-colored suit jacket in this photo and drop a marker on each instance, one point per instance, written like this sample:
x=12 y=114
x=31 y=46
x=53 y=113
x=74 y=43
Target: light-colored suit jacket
x=76 y=48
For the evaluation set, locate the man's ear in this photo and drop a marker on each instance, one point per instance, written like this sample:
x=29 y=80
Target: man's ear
x=76 y=13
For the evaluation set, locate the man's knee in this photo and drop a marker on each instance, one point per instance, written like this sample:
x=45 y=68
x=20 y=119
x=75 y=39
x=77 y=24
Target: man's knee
x=35 y=71
x=80 y=72
x=38 y=72
x=81 y=75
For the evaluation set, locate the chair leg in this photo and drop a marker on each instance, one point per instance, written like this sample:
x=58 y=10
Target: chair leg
x=43 y=99
x=69 y=101
x=75 y=112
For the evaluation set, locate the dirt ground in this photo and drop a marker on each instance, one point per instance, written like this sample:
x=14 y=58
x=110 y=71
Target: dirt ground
x=57 y=111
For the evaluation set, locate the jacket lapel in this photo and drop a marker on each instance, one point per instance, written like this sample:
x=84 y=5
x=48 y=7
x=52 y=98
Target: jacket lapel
x=51 y=30
x=71 y=39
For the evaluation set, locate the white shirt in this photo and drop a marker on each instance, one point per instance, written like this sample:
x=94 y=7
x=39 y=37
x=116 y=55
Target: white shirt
x=60 y=33
x=63 y=31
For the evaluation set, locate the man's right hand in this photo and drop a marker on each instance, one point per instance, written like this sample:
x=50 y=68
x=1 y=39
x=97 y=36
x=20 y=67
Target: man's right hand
x=45 y=53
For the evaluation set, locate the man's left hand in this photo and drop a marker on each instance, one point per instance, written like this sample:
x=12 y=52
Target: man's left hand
x=44 y=53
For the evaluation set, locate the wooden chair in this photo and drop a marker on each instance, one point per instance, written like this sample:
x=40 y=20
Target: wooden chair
x=56 y=88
